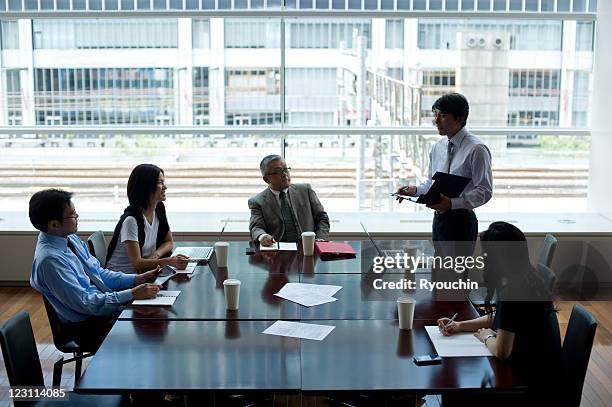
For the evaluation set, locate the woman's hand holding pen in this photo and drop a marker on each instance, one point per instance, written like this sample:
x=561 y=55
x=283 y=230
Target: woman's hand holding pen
x=449 y=326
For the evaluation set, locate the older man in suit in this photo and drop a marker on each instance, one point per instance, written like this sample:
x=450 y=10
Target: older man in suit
x=283 y=211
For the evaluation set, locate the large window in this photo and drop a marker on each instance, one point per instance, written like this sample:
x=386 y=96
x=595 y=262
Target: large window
x=235 y=95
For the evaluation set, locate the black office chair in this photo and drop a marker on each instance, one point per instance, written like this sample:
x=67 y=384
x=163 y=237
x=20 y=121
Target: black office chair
x=23 y=365
x=548 y=276
x=548 y=250
x=64 y=343
x=576 y=352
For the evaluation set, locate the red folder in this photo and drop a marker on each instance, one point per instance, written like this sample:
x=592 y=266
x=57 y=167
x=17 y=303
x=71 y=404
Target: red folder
x=334 y=250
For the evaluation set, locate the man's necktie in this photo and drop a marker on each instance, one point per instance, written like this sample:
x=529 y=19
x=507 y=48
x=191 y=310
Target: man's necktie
x=291 y=233
x=449 y=156
x=94 y=280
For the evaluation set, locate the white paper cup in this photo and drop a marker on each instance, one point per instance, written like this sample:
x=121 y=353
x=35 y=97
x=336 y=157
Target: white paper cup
x=231 y=288
x=405 y=312
x=221 y=249
x=308 y=239
x=412 y=251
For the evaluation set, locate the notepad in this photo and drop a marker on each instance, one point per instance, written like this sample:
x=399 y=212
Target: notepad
x=166 y=297
x=463 y=344
x=288 y=246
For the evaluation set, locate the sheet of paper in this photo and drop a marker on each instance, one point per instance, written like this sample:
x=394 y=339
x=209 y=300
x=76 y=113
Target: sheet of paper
x=299 y=330
x=163 y=298
x=288 y=246
x=456 y=345
x=188 y=270
x=321 y=289
x=308 y=295
x=306 y=298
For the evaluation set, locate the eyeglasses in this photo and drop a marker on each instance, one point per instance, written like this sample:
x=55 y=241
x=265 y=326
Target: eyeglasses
x=280 y=171
x=74 y=215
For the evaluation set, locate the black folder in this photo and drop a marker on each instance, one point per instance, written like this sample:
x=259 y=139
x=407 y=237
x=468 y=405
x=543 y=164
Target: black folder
x=448 y=184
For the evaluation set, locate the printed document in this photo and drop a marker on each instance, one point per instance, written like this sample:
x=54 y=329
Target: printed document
x=299 y=330
x=456 y=345
x=166 y=297
x=287 y=246
x=308 y=295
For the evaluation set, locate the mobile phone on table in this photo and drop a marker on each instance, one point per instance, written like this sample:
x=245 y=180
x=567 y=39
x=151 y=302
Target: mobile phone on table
x=165 y=274
x=424 y=360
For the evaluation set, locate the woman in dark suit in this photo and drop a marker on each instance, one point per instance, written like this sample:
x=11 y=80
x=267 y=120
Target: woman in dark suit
x=523 y=330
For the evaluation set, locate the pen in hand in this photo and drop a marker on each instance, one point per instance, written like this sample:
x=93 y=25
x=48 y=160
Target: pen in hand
x=447 y=324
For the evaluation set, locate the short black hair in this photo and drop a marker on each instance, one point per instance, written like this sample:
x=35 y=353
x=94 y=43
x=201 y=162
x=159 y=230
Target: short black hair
x=453 y=103
x=263 y=165
x=502 y=232
x=142 y=184
x=48 y=205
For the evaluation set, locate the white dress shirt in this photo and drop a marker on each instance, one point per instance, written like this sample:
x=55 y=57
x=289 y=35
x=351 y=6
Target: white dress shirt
x=472 y=159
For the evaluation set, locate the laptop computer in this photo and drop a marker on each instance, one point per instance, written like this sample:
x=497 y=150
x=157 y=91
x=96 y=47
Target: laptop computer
x=382 y=253
x=195 y=253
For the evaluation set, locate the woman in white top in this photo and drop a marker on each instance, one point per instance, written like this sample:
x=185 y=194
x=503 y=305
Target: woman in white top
x=142 y=237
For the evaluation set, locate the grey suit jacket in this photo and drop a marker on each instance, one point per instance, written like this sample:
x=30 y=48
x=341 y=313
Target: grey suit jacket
x=307 y=209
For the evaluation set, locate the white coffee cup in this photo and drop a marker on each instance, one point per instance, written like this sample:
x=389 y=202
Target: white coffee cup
x=405 y=312
x=221 y=249
x=308 y=239
x=231 y=288
x=412 y=251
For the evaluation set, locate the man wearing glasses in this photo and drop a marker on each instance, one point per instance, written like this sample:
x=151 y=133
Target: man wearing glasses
x=459 y=153
x=281 y=212
x=85 y=296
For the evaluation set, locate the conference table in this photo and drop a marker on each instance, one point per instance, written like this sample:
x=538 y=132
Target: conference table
x=198 y=347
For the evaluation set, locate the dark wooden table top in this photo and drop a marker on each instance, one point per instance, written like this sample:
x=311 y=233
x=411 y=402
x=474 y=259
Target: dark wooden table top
x=371 y=355
x=198 y=346
x=288 y=262
x=202 y=298
x=363 y=355
x=187 y=356
x=359 y=300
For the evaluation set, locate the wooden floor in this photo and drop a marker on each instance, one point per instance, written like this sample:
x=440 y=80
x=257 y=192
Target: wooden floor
x=597 y=389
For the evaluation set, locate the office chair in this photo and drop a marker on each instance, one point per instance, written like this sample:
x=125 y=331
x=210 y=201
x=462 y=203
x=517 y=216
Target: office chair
x=23 y=366
x=576 y=352
x=97 y=246
x=64 y=343
x=547 y=275
x=548 y=250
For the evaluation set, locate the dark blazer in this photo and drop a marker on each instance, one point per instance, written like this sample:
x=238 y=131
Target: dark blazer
x=307 y=209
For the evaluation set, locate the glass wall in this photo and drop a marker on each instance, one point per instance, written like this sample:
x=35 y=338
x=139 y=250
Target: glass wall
x=202 y=74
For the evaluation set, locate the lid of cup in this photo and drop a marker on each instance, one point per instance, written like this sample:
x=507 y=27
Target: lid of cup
x=221 y=244
x=308 y=233
x=406 y=300
x=231 y=281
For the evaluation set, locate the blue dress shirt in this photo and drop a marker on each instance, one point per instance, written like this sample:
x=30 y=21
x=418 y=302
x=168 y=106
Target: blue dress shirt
x=58 y=274
x=472 y=159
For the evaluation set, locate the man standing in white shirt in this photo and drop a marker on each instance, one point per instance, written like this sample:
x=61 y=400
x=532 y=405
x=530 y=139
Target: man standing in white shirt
x=459 y=153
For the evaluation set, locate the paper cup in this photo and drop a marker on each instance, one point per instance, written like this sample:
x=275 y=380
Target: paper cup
x=231 y=288
x=308 y=239
x=221 y=249
x=412 y=251
x=405 y=312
